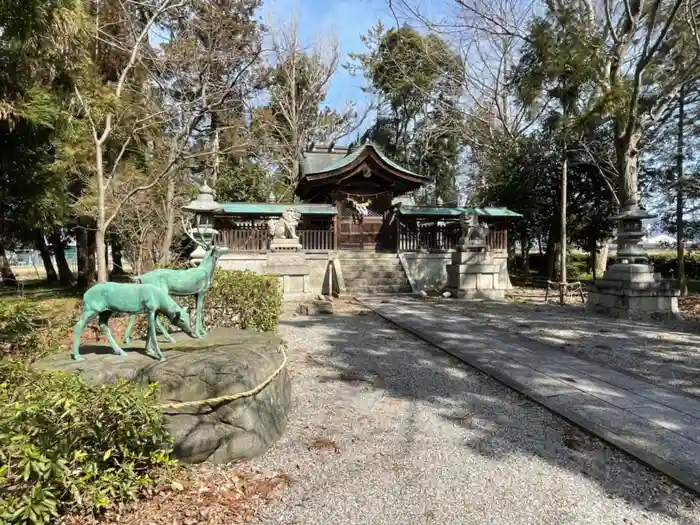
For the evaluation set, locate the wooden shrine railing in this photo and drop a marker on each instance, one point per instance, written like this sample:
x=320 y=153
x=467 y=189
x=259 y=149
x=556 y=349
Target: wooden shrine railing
x=257 y=239
x=245 y=238
x=316 y=240
x=431 y=237
x=428 y=237
x=498 y=239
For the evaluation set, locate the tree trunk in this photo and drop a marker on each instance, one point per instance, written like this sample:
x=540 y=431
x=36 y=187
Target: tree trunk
x=98 y=236
x=627 y=157
x=43 y=249
x=97 y=239
x=680 y=237
x=65 y=275
x=117 y=259
x=81 y=250
x=86 y=259
x=146 y=253
x=94 y=254
x=525 y=247
x=562 y=225
x=602 y=259
x=215 y=152
x=592 y=245
x=170 y=218
x=8 y=276
x=551 y=254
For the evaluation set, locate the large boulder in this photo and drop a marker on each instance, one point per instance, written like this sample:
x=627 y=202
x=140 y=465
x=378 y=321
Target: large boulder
x=225 y=362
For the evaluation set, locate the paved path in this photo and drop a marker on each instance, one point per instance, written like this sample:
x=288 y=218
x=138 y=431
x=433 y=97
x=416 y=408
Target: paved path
x=660 y=426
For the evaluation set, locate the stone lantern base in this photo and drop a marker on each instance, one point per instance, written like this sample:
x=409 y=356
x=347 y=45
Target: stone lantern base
x=633 y=291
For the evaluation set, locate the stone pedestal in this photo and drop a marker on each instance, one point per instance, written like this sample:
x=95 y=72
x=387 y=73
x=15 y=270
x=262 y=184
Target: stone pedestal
x=224 y=362
x=285 y=245
x=473 y=274
x=294 y=273
x=629 y=289
x=633 y=291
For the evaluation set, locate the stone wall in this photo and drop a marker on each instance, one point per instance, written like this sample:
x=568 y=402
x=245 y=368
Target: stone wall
x=317 y=265
x=254 y=262
x=425 y=271
x=428 y=271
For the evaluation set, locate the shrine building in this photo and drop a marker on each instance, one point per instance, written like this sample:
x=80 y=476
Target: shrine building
x=354 y=215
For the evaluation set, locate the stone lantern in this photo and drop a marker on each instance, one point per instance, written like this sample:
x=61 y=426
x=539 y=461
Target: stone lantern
x=203 y=208
x=629 y=288
x=630 y=234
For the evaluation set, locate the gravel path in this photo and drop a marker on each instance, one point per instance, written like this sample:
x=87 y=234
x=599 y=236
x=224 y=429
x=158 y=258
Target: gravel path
x=668 y=355
x=387 y=430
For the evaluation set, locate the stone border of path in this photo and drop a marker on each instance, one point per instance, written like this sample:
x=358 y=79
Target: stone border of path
x=657 y=425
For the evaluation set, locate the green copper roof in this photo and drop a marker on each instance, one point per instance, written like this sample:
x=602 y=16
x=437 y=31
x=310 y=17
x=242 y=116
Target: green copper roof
x=316 y=161
x=456 y=212
x=342 y=162
x=266 y=208
x=339 y=163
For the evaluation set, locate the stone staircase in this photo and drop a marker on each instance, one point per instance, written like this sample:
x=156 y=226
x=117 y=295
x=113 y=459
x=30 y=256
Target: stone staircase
x=370 y=273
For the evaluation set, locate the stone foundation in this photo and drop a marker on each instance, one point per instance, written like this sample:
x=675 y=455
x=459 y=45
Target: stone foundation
x=474 y=275
x=633 y=291
x=294 y=274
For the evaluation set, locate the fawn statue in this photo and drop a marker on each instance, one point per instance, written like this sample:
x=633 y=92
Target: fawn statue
x=192 y=281
x=106 y=299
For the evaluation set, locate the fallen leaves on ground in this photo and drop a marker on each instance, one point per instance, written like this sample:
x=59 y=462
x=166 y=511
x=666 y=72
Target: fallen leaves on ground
x=201 y=494
x=690 y=306
x=324 y=444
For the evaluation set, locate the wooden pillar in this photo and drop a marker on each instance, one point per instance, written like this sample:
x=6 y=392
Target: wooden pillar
x=335 y=233
x=398 y=232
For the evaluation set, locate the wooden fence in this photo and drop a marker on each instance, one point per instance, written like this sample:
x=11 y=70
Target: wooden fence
x=317 y=240
x=257 y=239
x=431 y=237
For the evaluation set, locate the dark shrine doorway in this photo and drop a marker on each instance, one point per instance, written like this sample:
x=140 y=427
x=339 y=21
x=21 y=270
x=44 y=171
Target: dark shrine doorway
x=355 y=234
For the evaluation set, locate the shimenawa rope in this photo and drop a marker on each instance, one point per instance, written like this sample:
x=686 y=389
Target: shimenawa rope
x=232 y=397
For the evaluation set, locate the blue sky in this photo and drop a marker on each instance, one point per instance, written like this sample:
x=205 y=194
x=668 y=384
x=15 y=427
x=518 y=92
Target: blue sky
x=344 y=19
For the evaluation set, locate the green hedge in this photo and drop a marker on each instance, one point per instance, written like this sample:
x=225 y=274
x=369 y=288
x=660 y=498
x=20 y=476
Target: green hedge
x=68 y=447
x=238 y=299
x=243 y=299
x=664 y=263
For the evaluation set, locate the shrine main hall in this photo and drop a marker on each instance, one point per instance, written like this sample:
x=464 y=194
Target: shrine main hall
x=360 y=231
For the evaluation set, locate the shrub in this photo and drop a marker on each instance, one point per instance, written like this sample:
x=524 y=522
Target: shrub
x=69 y=447
x=19 y=332
x=243 y=299
x=237 y=299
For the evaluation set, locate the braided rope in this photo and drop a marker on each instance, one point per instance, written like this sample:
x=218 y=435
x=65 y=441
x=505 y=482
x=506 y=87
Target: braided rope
x=232 y=397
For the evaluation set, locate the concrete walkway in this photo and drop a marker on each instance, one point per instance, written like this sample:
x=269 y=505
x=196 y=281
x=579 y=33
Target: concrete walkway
x=660 y=426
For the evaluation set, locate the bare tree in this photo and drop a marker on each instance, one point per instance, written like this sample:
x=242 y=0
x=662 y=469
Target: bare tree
x=168 y=94
x=639 y=35
x=300 y=76
x=488 y=36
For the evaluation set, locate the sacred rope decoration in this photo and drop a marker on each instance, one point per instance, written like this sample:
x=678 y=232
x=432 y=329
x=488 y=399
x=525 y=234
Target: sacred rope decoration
x=232 y=397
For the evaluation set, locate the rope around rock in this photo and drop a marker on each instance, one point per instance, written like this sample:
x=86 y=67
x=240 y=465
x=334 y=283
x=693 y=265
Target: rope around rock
x=232 y=397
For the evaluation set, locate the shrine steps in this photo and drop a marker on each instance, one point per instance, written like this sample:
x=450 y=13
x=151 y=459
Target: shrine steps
x=373 y=273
